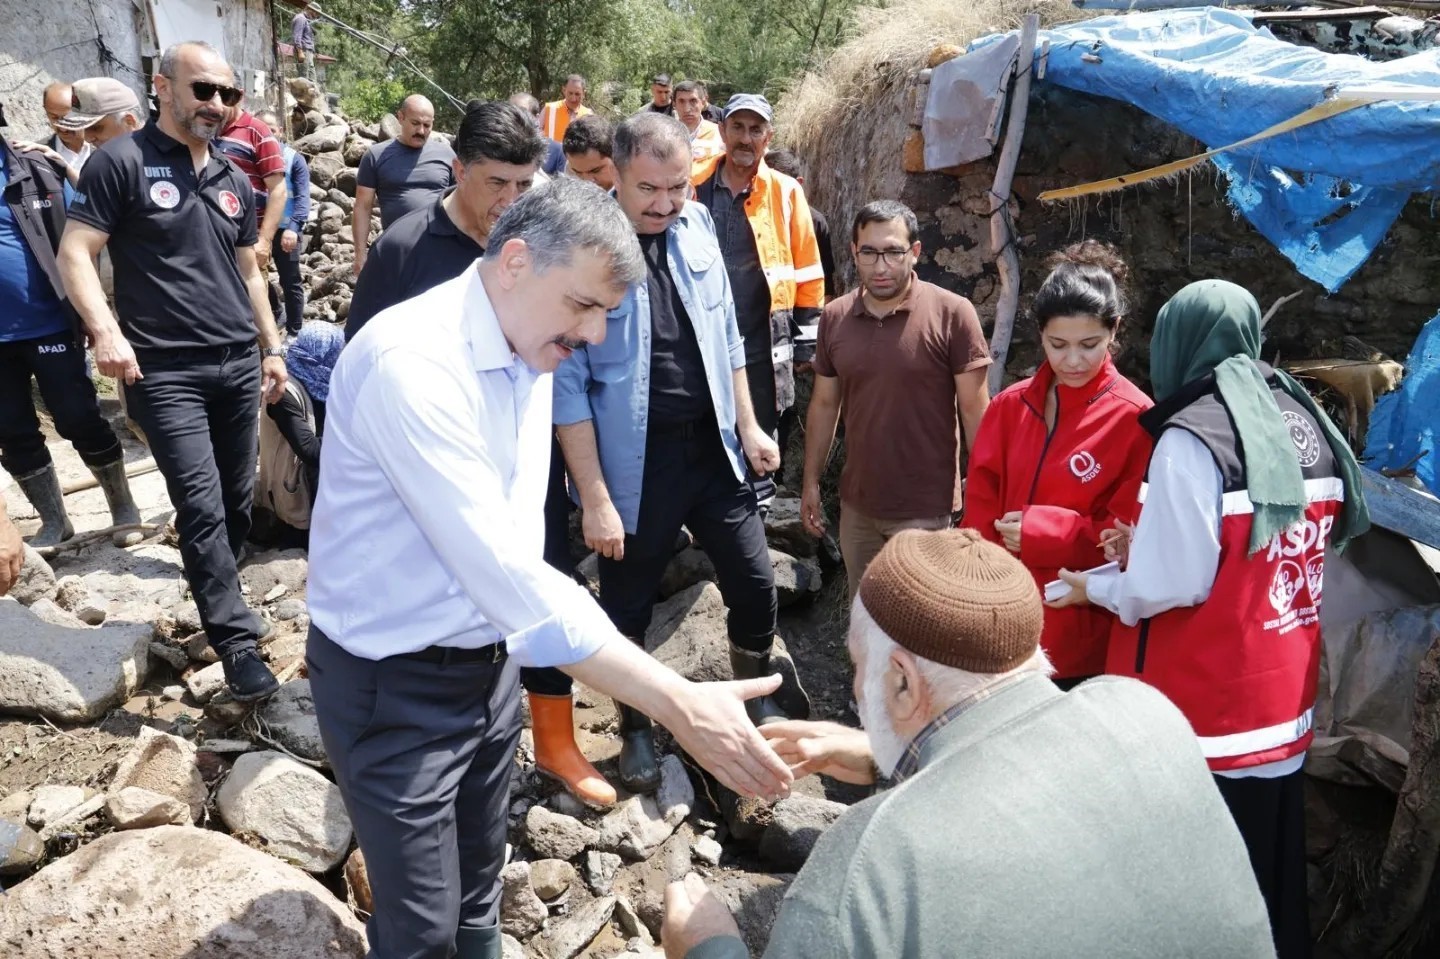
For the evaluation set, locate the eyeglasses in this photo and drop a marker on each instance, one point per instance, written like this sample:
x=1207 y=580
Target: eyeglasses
x=868 y=257
x=205 y=92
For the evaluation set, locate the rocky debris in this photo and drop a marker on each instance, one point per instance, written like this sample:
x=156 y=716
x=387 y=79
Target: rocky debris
x=74 y=817
x=510 y=947
x=296 y=811
x=175 y=891
x=556 y=836
x=754 y=900
x=142 y=578
x=786 y=532
x=226 y=711
x=165 y=764
x=629 y=923
x=37 y=579
x=176 y=659
x=522 y=913
x=688 y=634
x=174 y=693
x=16 y=805
x=565 y=938
x=52 y=803
x=600 y=871
x=92 y=609
x=357 y=881
x=205 y=683
x=53 y=613
x=136 y=808
x=66 y=674
x=264 y=571
x=707 y=850
x=187 y=618
x=796 y=824
x=20 y=847
x=198 y=648
x=643 y=884
x=635 y=828
x=327 y=138
x=551 y=878
x=796 y=580
x=290 y=716
x=566 y=804
x=288 y=609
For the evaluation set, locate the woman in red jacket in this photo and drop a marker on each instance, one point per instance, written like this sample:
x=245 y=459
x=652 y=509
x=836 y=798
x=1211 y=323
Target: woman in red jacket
x=1060 y=457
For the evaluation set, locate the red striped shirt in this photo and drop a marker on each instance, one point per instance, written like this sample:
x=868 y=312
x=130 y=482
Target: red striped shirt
x=254 y=149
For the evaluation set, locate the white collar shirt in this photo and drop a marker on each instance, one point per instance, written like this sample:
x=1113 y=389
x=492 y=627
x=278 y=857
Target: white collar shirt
x=428 y=527
x=74 y=159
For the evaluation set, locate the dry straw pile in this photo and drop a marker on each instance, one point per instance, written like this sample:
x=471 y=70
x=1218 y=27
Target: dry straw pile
x=849 y=118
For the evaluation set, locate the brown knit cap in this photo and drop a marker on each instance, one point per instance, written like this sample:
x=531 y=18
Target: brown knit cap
x=951 y=597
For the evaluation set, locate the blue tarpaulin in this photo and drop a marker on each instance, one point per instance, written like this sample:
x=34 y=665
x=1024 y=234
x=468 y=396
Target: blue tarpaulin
x=1326 y=193
x=1403 y=425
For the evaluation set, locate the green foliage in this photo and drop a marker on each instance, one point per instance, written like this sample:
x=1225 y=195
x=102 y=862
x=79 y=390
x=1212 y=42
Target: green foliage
x=493 y=48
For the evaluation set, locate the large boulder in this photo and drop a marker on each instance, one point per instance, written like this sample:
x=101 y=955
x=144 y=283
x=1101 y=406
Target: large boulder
x=20 y=846
x=325 y=167
x=566 y=937
x=687 y=633
x=145 y=575
x=786 y=532
x=290 y=714
x=522 y=913
x=66 y=674
x=635 y=829
x=37 y=579
x=797 y=823
x=165 y=764
x=754 y=900
x=297 y=812
x=355 y=149
x=173 y=892
x=324 y=140
x=390 y=128
x=796 y=580
x=554 y=835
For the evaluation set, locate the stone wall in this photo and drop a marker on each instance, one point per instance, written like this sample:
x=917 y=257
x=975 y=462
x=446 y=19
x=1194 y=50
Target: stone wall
x=1171 y=234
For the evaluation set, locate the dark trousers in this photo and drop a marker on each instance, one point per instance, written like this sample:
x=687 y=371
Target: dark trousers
x=198 y=410
x=548 y=681
x=422 y=753
x=689 y=481
x=761 y=378
x=57 y=364
x=1271 y=816
x=293 y=289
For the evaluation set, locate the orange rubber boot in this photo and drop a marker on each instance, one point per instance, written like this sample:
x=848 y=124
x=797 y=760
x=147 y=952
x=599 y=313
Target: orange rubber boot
x=557 y=756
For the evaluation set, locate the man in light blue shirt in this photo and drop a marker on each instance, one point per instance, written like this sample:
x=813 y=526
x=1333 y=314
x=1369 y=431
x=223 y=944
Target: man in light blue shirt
x=428 y=588
x=656 y=425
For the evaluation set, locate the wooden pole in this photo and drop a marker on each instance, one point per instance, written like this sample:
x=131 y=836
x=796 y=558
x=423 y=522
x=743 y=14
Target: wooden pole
x=1002 y=238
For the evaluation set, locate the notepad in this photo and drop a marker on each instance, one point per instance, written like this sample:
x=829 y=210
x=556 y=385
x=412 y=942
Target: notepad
x=1058 y=588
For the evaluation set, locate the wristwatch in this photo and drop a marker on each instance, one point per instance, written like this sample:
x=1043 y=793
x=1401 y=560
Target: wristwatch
x=273 y=351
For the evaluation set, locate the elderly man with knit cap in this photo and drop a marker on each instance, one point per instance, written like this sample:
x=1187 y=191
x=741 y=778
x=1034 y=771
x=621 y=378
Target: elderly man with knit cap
x=1022 y=821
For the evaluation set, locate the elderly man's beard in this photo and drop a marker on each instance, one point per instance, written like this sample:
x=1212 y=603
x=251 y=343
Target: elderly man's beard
x=885 y=743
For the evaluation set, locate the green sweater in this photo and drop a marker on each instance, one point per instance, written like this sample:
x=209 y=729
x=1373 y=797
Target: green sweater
x=1039 y=824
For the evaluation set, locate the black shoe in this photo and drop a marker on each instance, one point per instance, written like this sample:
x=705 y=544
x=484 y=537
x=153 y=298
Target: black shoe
x=746 y=664
x=249 y=679
x=639 y=766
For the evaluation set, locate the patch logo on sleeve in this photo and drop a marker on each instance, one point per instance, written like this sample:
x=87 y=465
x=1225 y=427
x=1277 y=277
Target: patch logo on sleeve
x=230 y=203
x=164 y=194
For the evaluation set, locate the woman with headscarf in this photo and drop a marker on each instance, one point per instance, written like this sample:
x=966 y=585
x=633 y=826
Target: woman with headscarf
x=1221 y=589
x=290 y=437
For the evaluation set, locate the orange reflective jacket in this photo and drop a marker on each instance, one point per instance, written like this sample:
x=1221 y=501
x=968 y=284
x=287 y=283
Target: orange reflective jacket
x=555 y=119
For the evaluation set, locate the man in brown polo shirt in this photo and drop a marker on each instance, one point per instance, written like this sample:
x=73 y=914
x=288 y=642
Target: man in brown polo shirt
x=905 y=360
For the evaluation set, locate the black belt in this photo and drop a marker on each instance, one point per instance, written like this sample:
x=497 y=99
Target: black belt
x=445 y=655
x=686 y=430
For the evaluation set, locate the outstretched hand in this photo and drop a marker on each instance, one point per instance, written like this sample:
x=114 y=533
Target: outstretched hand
x=713 y=728
x=830 y=749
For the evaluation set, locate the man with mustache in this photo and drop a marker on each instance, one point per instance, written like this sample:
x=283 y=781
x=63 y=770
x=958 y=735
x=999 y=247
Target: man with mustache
x=657 y=428
x=557 y=115
x=401 y=175
x=191 y=304
x=771 y=254
x=1022 y=823
x=427 y=583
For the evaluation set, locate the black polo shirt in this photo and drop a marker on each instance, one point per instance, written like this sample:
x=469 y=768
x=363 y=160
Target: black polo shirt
x=419 y=251
x=172 y=240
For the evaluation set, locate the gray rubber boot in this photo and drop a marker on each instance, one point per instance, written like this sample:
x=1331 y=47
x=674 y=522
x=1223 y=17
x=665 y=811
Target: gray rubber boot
x=42 y=488
x=478 y=943
x=123 y=512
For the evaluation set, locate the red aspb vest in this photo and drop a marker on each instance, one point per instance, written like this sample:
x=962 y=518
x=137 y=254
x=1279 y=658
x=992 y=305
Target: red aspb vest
x=1243 y=665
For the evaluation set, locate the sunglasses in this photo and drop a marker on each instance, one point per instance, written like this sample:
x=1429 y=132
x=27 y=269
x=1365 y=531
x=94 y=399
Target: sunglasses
x=205 y=92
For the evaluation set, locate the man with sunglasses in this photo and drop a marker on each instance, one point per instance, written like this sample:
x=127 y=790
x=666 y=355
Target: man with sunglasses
x=179 y=221
x=907 y=362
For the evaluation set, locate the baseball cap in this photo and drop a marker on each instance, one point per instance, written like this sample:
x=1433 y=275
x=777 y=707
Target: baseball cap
x=95 y=98
x=753 y=102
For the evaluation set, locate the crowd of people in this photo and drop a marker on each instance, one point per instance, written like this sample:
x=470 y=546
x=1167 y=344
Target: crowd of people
x=562 y=312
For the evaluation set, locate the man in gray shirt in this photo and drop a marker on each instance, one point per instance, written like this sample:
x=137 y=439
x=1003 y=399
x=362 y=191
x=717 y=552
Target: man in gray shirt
x=405 y=174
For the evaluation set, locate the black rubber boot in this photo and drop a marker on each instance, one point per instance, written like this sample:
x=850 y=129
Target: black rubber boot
x=249 y=679
x=639 y=766
x=747 y=664
x=123 y=512
x=42 y=488
x=478 y=943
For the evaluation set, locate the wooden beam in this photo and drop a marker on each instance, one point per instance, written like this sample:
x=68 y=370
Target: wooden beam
x=1002 y=238
x=1402 y=509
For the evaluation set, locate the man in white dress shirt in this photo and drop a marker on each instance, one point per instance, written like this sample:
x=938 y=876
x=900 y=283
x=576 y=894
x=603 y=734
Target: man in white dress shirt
x=428 y=589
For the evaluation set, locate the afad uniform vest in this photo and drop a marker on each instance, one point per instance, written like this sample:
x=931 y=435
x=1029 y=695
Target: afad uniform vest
x=1243 y=665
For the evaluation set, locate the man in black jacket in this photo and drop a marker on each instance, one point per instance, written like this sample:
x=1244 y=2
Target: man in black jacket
x=38 y=340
